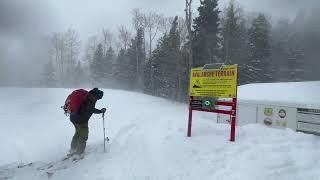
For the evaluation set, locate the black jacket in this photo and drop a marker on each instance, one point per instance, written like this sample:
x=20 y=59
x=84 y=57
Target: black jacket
x=86 y=110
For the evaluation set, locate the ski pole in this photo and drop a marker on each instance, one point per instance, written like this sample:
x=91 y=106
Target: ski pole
x=104 y=134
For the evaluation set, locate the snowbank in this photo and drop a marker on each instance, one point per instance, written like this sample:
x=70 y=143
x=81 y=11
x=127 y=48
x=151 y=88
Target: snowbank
x=301 y=94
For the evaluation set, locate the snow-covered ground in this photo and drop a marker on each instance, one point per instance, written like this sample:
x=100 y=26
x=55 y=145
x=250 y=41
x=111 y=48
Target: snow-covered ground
x=147 y=142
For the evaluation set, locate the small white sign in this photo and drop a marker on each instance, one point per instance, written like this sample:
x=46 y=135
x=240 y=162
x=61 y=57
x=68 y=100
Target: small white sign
x=277 y=116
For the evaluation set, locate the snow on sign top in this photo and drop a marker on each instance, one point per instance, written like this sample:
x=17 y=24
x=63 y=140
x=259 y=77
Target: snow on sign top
x=214 y=66
x=290 y=94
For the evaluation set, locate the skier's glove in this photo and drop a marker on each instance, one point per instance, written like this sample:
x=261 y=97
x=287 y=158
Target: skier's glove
x=103 y=110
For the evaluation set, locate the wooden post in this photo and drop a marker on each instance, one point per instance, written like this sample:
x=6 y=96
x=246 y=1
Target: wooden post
x=190 y=117
x=233 y=120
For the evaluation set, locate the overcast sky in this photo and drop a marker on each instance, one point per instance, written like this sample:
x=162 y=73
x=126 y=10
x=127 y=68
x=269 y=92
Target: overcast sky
x=90 y=15
x=24 y=23
x=29 y=17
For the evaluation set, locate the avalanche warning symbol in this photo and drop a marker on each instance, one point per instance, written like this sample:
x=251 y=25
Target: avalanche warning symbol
x=197 y=84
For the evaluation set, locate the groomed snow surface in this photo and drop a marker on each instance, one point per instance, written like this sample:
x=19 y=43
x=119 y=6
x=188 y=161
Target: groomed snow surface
x=147 y=142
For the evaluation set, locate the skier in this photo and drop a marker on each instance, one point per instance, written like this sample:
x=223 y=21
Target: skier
x=80 y=120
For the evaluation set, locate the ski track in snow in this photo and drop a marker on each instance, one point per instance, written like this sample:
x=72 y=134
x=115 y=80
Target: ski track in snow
x=148 y=142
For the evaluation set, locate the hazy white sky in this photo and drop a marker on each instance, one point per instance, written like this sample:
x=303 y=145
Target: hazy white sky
x=21 y=17
x=24 y=22
x=89 y=16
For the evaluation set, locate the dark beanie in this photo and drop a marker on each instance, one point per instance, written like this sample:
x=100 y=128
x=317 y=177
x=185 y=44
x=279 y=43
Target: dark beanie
x=97 y=93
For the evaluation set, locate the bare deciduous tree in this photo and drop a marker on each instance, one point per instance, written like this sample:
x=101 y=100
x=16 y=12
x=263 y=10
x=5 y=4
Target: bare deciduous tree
x=124 y=37
x=107 y=39
x=166 y=23
x=139 y=23
x=153 y=22
x=65 y=51
x=73 y=45
x=91 y=46
x=58 y=51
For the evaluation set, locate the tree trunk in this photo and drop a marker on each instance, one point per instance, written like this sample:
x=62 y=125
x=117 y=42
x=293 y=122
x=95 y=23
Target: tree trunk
x=189 y=23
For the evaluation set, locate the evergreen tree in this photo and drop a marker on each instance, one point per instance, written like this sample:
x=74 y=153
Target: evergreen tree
x=306 y=27
x=137 y=58
x=234 y=39
x=287 y=53
x=260 y=49
x=280 y=42
x=160 y=85
x=147 y=77
x=234 y=46
x=244 y=67
x=123 y=70
x=185 y=73
x=166 y=65
x=108 y=63
x=205 y=35
x=296 y=61
x=96 y=67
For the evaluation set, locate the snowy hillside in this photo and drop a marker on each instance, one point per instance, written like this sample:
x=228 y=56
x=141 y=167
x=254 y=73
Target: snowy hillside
x=147 y=142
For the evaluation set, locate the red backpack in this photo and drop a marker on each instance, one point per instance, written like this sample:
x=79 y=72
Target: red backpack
x=74 y=101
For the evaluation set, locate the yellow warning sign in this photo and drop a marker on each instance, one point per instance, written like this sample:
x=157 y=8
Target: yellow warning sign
x=220 y=83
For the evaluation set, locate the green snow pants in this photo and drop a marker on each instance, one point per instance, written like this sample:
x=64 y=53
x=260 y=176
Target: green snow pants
x=79 y=140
